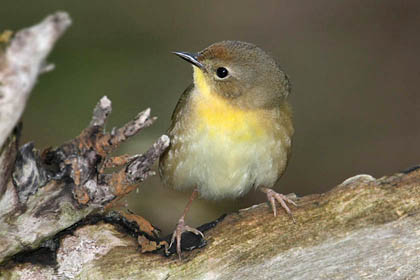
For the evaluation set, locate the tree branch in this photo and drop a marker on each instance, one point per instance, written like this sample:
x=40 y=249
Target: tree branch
x=57 y=189
x=52 y=190
x=363 y=228
x=21 y=64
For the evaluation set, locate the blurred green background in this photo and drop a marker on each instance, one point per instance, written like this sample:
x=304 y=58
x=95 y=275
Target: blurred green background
x=354 y=65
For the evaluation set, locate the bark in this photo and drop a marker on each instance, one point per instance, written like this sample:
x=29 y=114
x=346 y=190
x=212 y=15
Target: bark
x=20 y=65
x=44 y=193
x=362 y=229
x=53 y=224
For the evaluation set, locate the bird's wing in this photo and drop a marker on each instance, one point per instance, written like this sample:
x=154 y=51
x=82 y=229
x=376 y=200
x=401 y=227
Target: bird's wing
x=182 y=102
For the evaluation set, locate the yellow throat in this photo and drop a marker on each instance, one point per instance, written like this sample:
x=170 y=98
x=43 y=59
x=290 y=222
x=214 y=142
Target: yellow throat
x=219 y=117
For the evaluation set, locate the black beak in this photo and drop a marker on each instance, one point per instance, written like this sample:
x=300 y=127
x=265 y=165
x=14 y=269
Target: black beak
x=191 y=58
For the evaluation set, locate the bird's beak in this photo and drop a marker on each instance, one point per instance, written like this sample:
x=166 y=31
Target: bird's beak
x=191 y=58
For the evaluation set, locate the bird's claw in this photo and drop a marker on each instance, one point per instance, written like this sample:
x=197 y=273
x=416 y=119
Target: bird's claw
x=180 y=229
x=273 y=196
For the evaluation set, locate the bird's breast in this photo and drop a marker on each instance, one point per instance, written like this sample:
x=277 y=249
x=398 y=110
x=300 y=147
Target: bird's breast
x=219 y=118
x=224 y=150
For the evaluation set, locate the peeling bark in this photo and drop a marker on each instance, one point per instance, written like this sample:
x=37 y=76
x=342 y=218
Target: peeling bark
x=51 y=192
x=43 y=193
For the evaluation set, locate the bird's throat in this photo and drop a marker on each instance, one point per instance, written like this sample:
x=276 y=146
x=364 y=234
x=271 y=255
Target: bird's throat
x=219 y=117
x=200 y=82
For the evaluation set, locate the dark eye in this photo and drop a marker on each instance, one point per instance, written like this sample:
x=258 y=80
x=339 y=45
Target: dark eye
x=222 y=72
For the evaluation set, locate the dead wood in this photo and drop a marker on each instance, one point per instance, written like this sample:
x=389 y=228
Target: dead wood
x=42 y=193
x=364 y=228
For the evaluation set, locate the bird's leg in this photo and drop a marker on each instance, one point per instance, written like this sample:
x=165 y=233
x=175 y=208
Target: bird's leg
x=181 y=227
x=272 y=196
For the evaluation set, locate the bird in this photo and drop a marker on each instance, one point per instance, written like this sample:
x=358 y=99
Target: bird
x=231 y=130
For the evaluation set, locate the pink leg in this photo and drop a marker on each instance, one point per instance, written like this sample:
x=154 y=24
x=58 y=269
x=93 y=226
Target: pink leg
x=182 y=227
x=273 y=196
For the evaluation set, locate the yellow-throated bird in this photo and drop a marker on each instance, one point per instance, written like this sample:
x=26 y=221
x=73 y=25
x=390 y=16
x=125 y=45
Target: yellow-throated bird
x=231 y=129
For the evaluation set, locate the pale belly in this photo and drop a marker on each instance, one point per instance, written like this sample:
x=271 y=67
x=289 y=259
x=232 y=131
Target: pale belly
x=226 y=164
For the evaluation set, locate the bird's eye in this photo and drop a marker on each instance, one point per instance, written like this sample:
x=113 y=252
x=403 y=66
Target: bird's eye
x=222 y=72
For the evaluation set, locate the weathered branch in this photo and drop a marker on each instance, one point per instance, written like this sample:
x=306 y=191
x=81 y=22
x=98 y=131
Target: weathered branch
x=21 y=64
x=363 y=228
x=7 y=158
x=53 y=190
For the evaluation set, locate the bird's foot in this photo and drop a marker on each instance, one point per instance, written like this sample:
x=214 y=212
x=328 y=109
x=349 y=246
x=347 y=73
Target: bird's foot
x=273 y=196
x=181 y=227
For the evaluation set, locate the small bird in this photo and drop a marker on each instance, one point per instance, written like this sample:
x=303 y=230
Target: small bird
x=231 y=129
